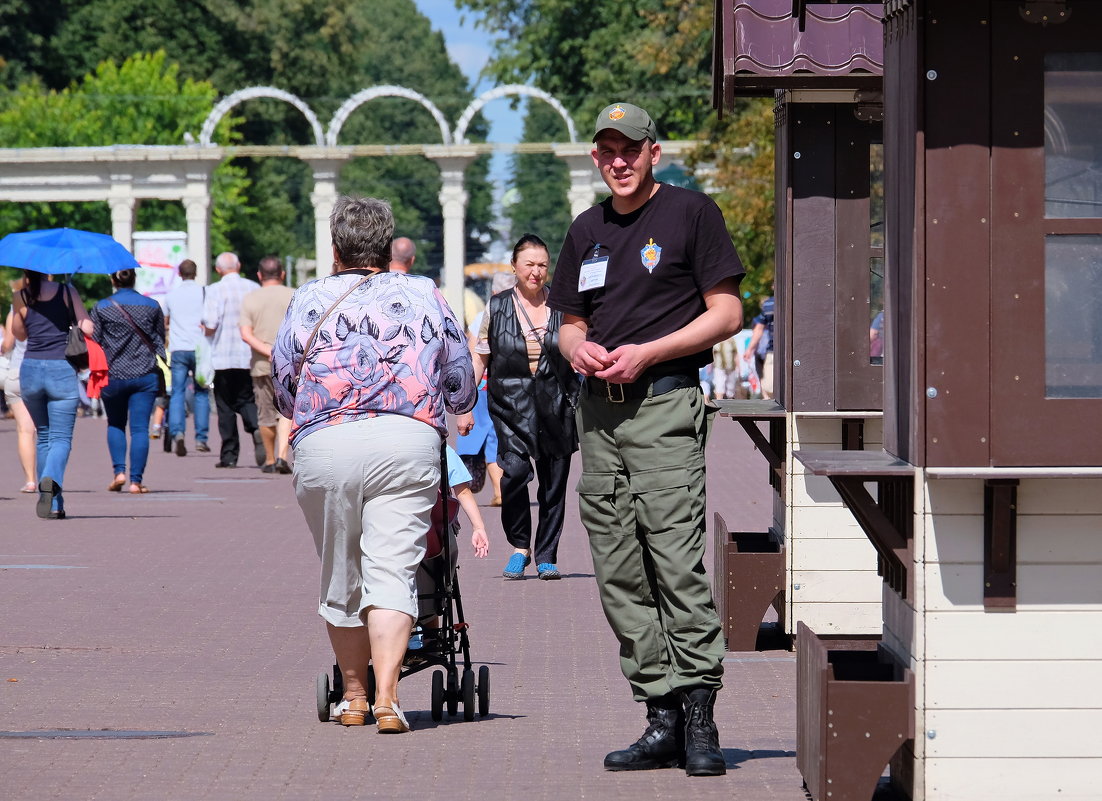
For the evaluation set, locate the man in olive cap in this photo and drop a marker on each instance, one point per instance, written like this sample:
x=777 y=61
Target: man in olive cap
x=648 y=282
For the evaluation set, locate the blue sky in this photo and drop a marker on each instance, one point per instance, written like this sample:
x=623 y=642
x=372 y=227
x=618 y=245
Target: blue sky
x=470 y=48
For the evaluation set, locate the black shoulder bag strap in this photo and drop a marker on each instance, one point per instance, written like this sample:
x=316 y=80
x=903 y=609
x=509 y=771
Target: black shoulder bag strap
x=324 y=317
x=67 y=302
x=148 y=342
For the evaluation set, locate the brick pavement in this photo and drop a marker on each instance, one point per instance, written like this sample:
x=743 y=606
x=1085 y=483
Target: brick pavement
x=191 y=611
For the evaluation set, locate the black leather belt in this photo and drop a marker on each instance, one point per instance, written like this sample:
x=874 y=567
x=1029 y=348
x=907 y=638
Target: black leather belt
x=647 y=386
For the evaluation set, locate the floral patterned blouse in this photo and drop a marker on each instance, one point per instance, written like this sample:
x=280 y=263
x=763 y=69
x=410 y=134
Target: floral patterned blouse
x=393 y=346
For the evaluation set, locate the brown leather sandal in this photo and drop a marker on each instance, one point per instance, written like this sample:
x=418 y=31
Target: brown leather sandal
x=390 y=719
x=352 y=712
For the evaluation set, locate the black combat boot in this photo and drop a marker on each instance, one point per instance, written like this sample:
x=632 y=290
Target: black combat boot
x=702 y=754
x=662 y=744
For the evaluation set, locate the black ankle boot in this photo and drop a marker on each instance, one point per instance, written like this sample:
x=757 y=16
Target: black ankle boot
x=662 y=744
x=702 y=754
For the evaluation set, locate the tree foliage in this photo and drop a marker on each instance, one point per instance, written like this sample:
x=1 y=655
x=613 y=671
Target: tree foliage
x=657 y=54
x=541 y=181
x=321 y=50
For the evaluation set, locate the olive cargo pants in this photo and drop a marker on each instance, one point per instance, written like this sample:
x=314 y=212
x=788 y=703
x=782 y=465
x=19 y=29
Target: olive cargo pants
x=642 y=499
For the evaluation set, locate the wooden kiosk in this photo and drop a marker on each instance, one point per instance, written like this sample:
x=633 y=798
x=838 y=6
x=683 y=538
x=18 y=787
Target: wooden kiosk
x=985 y=506
x=824 y=71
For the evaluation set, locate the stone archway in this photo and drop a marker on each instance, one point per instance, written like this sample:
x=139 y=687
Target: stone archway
x=122 y=175
x=367 y=95
x=252 y=93
x=511 y=90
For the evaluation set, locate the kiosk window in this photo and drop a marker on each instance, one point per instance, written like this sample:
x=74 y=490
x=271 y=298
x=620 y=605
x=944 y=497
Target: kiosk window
x=1073 y=316
x=876 y=251
x=1073 y=148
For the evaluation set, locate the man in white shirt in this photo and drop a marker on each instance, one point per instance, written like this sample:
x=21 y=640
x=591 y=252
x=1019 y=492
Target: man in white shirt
x=184 y=322
x=231 y=355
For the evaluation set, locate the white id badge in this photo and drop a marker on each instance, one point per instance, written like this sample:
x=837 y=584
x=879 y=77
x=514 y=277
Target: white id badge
x=592 y=274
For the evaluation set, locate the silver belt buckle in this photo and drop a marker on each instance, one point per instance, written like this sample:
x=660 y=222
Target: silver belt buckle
x=608 y=392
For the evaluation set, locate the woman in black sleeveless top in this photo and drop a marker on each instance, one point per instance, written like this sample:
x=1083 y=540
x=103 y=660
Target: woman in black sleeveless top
x=43 y=313
x=532 y=392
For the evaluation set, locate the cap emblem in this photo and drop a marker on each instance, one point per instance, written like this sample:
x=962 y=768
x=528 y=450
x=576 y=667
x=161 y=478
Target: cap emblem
x=617 y=113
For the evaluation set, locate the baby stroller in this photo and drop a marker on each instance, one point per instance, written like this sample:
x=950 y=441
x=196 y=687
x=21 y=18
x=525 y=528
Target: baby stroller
x=440 y=634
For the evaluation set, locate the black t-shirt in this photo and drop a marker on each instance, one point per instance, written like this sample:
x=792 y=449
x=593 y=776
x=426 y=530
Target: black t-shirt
x=661 y=259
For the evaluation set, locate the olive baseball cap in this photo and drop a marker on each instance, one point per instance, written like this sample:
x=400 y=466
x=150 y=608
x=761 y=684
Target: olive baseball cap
x=631 y=121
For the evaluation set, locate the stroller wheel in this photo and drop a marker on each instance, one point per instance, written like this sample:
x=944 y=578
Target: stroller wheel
x=323 y=697
x=483 y=691
x=468 y=694
x=452 y=695
x=437 y=695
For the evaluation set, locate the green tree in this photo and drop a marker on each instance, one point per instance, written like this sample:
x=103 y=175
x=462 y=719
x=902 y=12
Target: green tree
x=141 y=101
x=541 y=181
x=321 y=50
x=25 y=30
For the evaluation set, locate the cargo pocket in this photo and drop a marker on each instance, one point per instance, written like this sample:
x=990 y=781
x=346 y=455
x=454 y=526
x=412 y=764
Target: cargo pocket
x=667 y=499
x=597 y=502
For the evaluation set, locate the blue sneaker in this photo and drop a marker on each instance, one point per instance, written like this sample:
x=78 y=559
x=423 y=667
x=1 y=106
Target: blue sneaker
x=514 y=568
x=548 y=571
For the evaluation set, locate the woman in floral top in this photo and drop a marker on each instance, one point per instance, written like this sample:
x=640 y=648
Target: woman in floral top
x=365 y=364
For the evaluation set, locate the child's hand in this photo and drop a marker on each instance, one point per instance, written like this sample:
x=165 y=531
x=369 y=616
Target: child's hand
x=480 y=542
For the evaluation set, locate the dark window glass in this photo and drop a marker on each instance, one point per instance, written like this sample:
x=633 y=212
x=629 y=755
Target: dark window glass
x=1073 y=146
x=1073 y=316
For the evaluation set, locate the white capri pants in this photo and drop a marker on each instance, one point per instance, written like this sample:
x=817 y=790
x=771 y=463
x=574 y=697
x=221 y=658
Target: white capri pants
x=366 y=489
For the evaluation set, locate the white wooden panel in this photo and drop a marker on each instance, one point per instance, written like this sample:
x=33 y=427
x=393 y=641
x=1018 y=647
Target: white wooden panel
x=826 y=522
x=835 y=586
x=1020 y=733
x=899 y=630
x=1014 y=635
x=1064 y=496
x=816 y=430
x=1032 y=684
x=850 y=618
x=1012 y=779
x=952 y=538
x=809 y=490
x=833 y=554
x=1041 y=538
x=874 y=433
x=1060 y=538
x=954 y=496
x=1054 y=588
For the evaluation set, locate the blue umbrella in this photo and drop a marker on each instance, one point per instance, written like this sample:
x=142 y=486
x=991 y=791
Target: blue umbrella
x=65 y=251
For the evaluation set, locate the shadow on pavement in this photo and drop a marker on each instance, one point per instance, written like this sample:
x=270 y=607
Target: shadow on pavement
x=733 y=757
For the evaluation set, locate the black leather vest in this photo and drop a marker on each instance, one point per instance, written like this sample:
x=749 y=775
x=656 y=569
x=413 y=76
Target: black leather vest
x=533 y=414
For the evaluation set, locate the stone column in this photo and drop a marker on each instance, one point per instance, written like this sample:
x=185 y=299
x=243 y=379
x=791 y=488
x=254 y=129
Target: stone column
x=326 y=172
x=453 y=161
x=582 y=172
x=197 y=211
x=123 y=208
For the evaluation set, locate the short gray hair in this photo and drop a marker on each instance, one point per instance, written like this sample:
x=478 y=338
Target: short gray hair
x=362 y=229
x=227 y=262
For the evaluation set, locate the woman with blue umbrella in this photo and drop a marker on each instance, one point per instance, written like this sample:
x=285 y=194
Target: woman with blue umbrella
x=44 y=312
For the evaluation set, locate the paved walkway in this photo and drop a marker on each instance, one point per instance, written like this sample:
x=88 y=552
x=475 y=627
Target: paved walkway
x=190 y=612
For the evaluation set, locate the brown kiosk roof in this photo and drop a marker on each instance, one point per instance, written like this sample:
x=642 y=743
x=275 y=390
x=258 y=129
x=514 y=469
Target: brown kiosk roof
x=764 y=45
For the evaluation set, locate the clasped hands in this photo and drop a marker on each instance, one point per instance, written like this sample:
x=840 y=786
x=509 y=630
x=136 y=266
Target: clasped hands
x=623 y=365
